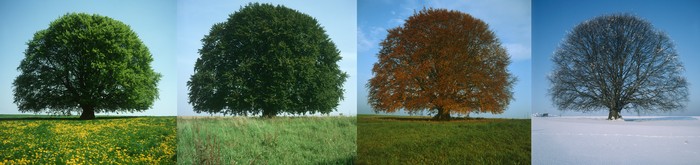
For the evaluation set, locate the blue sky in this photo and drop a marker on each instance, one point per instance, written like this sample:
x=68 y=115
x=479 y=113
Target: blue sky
x=510 y=20
x=553 y=19
x=195 y=18
x=153 y=21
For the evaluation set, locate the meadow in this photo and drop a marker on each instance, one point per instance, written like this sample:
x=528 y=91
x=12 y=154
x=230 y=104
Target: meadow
x=419 y=140
x=280 y=140
x=38 y=139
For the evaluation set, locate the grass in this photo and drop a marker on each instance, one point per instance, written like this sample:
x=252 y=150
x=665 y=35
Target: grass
x=43 y=139
x=280 y=140
x=418 y=140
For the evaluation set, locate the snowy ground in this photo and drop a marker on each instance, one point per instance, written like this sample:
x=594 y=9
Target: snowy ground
x=636 y=140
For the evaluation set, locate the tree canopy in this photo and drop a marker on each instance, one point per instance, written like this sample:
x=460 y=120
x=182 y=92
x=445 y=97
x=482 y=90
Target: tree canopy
x=617 y=62
x=85 y=63
x=444 y=62
x=267 y=60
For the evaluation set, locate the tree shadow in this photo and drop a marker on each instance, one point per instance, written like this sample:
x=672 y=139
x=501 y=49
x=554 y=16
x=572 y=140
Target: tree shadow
x=346 y=160
x=661 y=118
x=430 y=118
x=58 y=118
x=407 y=118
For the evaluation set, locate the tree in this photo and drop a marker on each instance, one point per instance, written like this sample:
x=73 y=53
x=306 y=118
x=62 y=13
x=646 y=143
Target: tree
x=443 y=61
x=617 y=62
x=267 y=59
x=85 y=63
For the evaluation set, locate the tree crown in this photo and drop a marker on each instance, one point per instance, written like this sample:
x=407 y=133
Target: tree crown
x=616 y=62
x=84 y=60
x=443 y=61
x=267 y=59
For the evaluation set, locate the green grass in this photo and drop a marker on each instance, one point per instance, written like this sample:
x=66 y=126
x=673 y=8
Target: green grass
x=43 y=139
x=280 y=140
x=417 y=140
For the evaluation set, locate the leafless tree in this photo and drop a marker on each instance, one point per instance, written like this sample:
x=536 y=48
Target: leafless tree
x=617 y=62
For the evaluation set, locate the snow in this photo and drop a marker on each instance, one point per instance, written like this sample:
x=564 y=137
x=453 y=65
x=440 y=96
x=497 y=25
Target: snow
x=634 y=140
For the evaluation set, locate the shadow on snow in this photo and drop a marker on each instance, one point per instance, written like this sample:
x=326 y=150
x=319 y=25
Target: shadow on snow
x=662 y=118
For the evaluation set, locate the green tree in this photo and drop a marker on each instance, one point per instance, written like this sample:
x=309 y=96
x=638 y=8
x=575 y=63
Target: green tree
x=85 y=63
x=267 y=60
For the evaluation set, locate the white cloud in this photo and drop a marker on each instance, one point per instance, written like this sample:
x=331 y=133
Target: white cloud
x=369 y=38
x=518 y=51
x=395 y=22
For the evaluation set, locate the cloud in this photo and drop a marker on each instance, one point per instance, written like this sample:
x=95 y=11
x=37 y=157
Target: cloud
x=395 y=22
x=369 y=38
x=518 y=51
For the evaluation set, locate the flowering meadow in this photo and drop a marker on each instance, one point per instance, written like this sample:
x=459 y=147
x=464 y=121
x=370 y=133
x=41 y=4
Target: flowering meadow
x=117 y=140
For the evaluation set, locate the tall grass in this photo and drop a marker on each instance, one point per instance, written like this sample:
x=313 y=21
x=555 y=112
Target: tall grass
x=281 y=140
x=410 y=140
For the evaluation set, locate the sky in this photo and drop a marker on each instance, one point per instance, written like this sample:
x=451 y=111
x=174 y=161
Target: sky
x=509 y=20
x=553 y=19
x=195 y=18
x=153 y=21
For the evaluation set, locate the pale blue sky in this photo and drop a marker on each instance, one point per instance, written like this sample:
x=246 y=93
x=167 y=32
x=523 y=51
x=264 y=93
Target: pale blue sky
x=195 y=18
x=509 y=19
x=553 y=19
x=153 y=21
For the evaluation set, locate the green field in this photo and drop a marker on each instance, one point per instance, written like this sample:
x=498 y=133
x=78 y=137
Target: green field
x=418 y=140
x=280 y=140
x=42 y=139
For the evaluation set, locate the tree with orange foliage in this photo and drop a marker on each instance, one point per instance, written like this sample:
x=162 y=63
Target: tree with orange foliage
x=446 y=62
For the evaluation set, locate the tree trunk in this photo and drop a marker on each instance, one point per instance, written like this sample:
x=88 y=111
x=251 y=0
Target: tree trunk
x=268 y=114
x=442 y=114
x=614 y=114
x=88 y=113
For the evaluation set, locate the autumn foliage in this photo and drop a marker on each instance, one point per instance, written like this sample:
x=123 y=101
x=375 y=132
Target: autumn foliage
x=446 y=62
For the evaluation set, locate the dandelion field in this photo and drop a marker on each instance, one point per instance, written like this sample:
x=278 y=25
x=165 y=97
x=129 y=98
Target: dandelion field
x=105 y=140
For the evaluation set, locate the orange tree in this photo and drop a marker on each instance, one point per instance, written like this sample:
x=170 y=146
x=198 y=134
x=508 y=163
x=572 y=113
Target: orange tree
x=442 y=61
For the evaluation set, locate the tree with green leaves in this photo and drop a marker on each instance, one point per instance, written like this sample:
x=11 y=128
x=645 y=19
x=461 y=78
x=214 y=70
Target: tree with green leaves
x=85 y=63
x=267 y=60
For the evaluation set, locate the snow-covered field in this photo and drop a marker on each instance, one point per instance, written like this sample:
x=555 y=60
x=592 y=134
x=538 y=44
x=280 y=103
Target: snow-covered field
x=636 y=140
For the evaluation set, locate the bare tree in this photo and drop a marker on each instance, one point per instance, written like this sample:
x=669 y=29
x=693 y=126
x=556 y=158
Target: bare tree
x=617 y=62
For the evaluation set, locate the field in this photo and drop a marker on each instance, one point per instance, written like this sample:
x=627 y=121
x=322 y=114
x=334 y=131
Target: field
x=280 y=140
x=635 y=140
x=417 y=140
x=39 y=139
